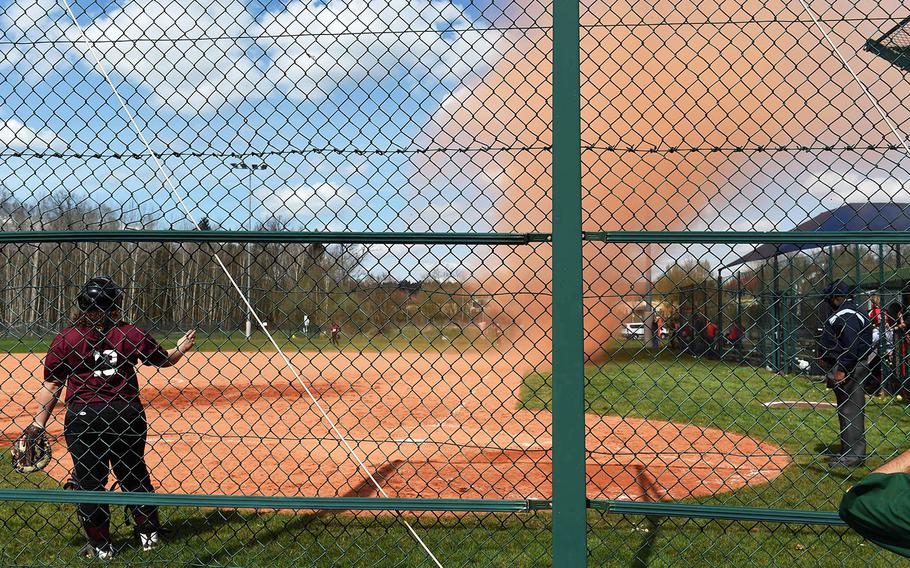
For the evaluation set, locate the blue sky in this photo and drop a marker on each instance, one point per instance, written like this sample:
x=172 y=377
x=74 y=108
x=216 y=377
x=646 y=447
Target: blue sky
x=375 y=102
x=284 y=85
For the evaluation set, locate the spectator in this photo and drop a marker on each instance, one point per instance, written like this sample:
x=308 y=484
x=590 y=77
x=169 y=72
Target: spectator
x=735 y=339
x=687 y=336
x=896 y=322
x=844 y=349
x=734 y=334
x=875 y=312
x=873 y=383
x=674 y=334
x=711 y=330
x=698 y=343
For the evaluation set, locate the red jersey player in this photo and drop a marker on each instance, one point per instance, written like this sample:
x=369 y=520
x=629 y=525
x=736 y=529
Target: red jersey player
x=105 y=425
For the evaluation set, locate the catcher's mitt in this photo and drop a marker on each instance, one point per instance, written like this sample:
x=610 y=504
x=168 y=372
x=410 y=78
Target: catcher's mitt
x=31 y=452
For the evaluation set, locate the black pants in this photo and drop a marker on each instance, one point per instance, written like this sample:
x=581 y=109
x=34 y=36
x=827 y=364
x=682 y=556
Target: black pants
x=101 y=437
x=851 y=402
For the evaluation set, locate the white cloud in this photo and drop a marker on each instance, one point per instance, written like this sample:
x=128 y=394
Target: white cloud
x=447 y=211
x=39 y=26
x=331 y=204
x=160 y=45
x=306 y=49
x=415 y=262
x=17 y=136
x=369 y=38
x=854 y=186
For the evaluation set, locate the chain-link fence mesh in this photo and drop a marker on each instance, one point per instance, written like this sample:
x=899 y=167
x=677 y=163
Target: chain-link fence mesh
x=351 y=204
x=893 y=45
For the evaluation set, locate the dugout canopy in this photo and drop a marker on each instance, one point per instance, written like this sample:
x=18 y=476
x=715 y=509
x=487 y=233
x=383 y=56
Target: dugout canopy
x=851 y=217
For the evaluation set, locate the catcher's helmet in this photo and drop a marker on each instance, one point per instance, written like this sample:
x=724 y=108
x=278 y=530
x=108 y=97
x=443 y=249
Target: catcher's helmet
x=99 y=293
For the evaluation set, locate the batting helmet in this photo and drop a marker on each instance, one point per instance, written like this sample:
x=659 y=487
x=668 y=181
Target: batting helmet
x=99 y=293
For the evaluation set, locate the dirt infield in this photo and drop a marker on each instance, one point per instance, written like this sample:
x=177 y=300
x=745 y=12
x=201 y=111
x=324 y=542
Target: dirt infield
x=426 y=424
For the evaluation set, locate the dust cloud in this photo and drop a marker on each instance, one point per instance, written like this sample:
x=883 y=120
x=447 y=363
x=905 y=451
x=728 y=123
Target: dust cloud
x=686 y=75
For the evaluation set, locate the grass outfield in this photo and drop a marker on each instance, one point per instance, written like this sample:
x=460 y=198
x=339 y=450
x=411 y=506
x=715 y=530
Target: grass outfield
x=409 y=338
x=684 y=390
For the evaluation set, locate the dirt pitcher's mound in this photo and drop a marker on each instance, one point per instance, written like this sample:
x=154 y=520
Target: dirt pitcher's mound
x=443 y=425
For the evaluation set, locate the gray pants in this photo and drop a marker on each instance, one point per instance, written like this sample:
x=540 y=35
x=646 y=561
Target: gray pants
x=851 y=401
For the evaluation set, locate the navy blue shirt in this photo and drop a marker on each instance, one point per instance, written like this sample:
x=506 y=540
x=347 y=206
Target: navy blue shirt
x=846 y=337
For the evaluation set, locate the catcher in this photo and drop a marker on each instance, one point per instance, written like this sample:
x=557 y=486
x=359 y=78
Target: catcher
x=105 y=425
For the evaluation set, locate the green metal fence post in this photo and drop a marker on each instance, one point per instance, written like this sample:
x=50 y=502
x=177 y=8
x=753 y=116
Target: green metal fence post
x=569 y=505
x=719 y=337
x=857 y=268
x=882 y=327
x=765 y=325
x=776 y=315
x=739 y=318
x=790 y=346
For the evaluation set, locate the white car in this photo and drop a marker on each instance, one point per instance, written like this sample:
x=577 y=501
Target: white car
x=633 y=330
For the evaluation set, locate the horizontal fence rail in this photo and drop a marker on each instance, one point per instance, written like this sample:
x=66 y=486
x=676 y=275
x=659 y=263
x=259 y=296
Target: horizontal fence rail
x=139 y=236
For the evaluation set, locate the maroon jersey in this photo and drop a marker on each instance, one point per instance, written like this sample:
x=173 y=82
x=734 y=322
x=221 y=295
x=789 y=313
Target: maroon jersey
x=100 y=367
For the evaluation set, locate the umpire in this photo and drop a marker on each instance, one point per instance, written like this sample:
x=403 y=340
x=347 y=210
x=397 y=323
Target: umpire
x=844 y=348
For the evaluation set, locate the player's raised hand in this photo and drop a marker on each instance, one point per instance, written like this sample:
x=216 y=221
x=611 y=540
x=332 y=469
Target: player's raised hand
x=186 y=342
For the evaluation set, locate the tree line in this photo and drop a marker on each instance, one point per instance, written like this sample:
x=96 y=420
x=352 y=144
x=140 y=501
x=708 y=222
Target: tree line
x=179 y=285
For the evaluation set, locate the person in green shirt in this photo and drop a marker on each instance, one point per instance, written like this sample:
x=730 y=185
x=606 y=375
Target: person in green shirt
x=878 y=507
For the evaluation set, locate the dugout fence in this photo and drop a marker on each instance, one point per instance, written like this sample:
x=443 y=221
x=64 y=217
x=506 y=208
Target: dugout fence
x=409 y=233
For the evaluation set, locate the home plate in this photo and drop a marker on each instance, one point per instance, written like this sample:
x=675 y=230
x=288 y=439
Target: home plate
x=799 y=404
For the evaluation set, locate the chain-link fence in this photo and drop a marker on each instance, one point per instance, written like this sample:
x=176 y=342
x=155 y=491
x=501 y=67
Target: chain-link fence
x=495 y=283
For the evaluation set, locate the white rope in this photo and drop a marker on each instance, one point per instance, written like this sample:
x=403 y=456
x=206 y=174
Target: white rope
x=856 y=78
x=167 y=179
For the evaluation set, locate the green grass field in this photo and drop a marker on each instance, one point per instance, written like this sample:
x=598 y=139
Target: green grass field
x=634 y=384
x=409 y=338
x=666 y=386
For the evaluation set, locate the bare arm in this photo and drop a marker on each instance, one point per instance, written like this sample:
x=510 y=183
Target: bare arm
x=900 y=464
x=47 y=399
x=184 y=344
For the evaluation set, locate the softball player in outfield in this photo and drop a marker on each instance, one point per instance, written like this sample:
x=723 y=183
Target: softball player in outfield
x=105 y=426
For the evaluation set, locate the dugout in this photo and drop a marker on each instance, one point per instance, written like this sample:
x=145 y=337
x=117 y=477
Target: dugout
x=755 y=312
x=772 y=294
x=892 y=286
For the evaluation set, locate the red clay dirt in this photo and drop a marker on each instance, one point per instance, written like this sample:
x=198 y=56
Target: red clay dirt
x=446 y=425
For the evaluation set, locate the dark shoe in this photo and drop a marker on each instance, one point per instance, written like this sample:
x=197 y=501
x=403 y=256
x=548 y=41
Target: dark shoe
x=845 y=461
